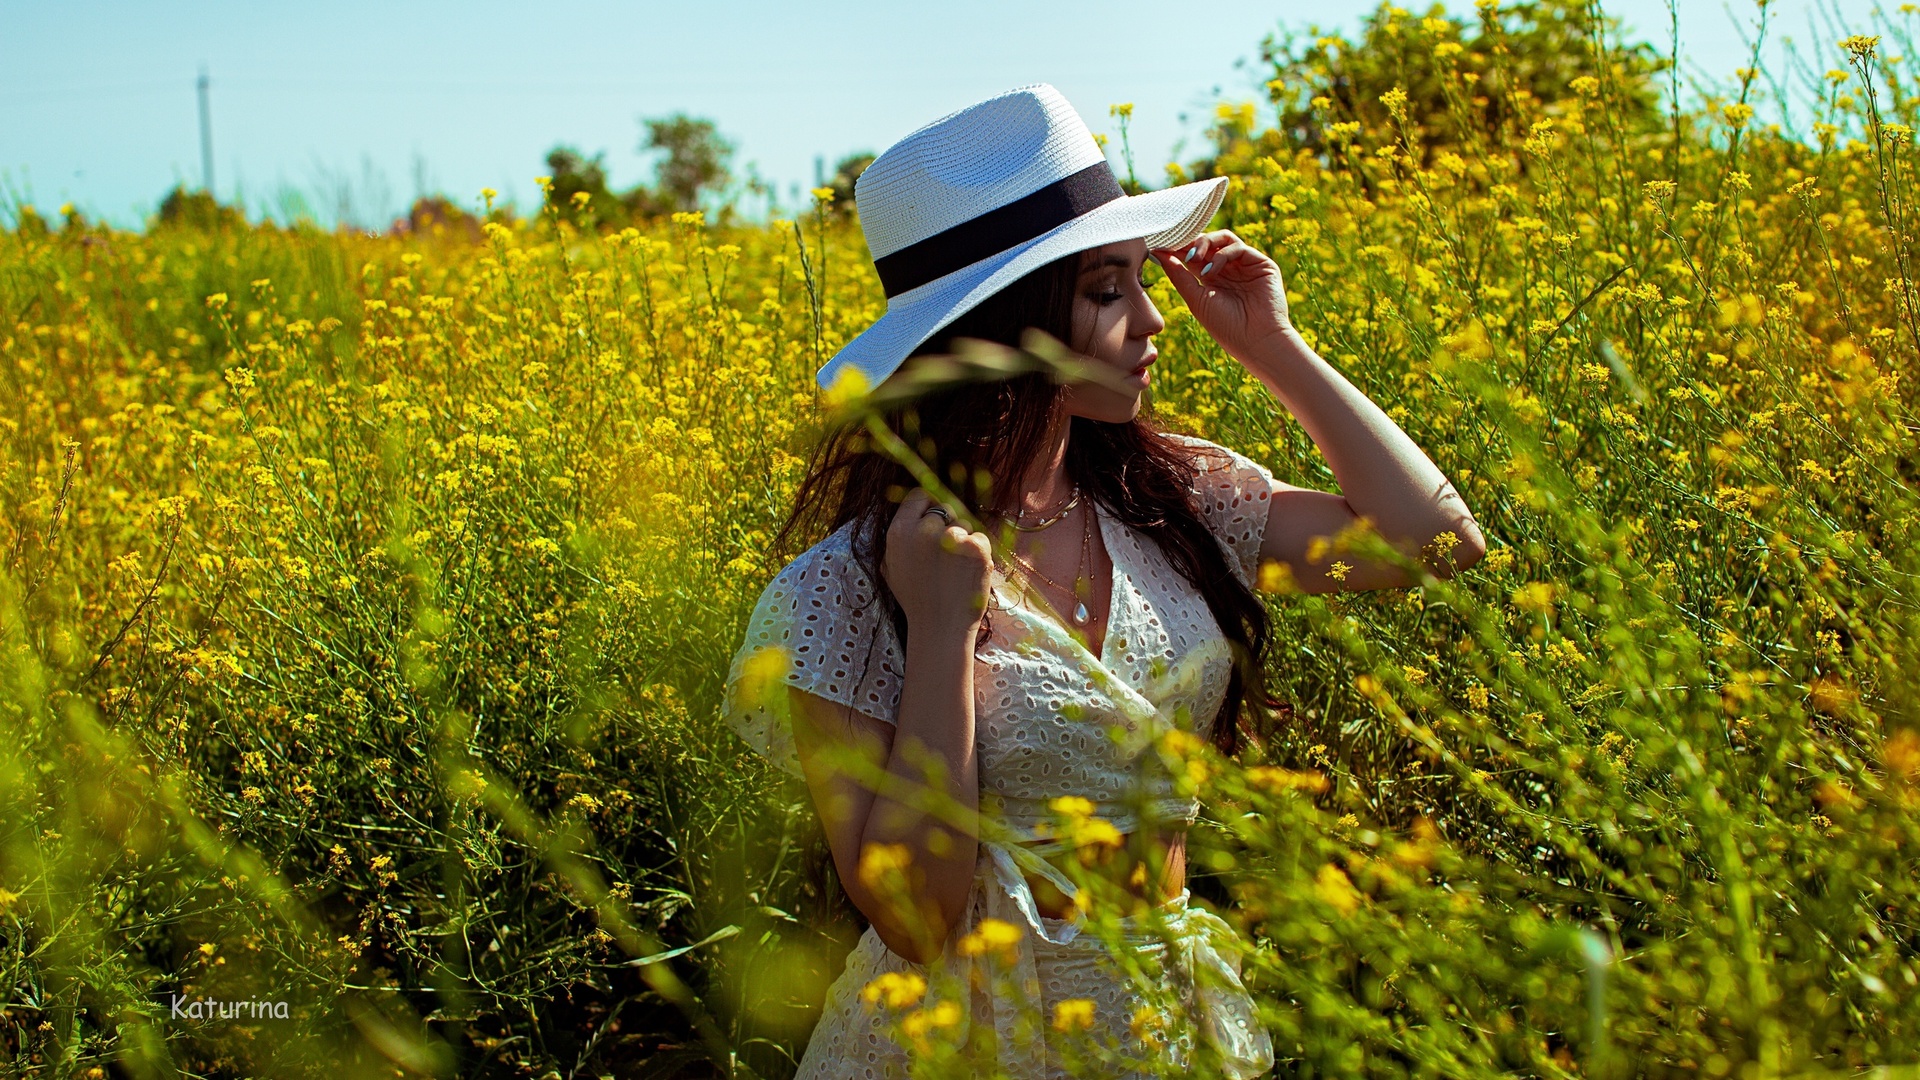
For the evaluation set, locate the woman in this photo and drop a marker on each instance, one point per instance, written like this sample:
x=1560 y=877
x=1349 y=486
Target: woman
x=940 y=689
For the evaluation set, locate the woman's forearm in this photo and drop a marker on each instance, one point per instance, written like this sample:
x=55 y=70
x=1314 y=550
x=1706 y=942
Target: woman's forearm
x=1383 y=474
x=936 y=725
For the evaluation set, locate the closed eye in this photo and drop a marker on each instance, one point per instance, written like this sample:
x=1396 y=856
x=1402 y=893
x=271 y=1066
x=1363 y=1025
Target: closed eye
x=1108 y=296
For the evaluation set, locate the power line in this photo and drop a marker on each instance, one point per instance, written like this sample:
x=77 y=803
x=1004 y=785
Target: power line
x=206 y=133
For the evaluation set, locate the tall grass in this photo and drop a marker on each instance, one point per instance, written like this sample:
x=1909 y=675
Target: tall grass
x=366 y=603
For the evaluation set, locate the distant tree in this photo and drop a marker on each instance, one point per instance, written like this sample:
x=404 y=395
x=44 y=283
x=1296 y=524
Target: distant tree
x=845 y=174
x=571 y=175
x=198 y=210
x=437 y=215
x=696 y=159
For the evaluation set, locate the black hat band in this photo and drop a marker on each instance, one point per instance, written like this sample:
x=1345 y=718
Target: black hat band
x=998 y=229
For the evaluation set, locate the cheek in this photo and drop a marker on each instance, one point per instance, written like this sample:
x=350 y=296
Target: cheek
x=1098 y=329
x=1086 y=318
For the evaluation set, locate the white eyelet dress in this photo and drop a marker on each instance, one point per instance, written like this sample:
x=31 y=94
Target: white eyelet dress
x=1051 y=720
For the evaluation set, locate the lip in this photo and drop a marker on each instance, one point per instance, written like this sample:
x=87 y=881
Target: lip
x=1144 y=365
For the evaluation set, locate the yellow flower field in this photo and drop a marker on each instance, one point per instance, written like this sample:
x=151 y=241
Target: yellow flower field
x=366 y=602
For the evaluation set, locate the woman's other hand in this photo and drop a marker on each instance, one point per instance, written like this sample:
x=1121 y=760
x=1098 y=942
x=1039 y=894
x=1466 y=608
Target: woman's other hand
x=939 y=572
x=1234 y=290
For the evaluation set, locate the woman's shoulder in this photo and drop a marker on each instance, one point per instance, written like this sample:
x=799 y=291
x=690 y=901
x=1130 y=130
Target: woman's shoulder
x=818 y=627
x=829 y=579
x=834 y=558
x=1233 y=494
x=1210 y=456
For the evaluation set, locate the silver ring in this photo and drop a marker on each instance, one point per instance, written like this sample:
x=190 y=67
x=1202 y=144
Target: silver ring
x=941 y=510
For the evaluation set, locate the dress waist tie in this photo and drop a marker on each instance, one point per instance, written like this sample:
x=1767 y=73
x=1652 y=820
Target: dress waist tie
x=1205 y=952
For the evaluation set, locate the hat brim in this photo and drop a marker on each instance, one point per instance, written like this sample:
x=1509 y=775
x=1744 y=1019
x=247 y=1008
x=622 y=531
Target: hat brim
x=1166 y=218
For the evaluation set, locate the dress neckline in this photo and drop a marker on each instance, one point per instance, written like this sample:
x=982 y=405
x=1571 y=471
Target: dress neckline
x=1116 y=605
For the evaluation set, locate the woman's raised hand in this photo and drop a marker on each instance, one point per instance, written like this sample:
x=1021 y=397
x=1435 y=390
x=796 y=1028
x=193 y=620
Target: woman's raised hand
x=939 y=572
x=1234 y=290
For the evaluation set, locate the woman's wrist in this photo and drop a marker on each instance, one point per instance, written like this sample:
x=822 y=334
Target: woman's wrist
x=945 y=624
x=1282 y=348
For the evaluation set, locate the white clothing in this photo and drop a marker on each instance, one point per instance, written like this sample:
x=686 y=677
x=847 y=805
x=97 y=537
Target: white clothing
x=1052 y=720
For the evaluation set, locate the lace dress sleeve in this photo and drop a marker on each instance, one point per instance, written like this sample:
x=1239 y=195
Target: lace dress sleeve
x=1233 y=493
x=819 y=625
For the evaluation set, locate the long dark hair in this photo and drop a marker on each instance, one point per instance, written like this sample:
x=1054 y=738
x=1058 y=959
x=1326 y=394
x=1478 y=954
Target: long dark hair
x=994 y=429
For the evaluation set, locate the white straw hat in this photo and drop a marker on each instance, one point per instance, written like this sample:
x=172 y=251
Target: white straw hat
x=970 y=203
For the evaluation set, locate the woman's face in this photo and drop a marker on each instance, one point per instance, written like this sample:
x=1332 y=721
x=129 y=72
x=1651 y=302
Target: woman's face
x=1114 y=323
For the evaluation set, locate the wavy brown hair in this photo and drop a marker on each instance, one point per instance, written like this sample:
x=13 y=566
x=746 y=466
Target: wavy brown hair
x=981 y=435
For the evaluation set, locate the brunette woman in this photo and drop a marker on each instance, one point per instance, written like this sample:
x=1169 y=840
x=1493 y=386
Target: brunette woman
x=1106 y=594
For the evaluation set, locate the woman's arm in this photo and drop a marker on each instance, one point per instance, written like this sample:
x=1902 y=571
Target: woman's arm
x=1383 y=476
x=939 y=573
x=935 y=724
x=1237 y=294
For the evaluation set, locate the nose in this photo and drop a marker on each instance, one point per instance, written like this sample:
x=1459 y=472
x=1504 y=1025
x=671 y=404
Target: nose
x=1151 y=321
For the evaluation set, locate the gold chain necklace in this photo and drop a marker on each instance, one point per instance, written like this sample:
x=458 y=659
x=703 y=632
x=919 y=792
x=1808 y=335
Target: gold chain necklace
x=1052 y=519
x=1080 y=612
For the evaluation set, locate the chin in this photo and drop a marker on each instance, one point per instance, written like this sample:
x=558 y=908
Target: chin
x=1106 y=406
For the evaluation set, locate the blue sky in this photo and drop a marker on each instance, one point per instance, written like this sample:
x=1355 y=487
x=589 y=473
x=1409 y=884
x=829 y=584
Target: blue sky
x=354 y=106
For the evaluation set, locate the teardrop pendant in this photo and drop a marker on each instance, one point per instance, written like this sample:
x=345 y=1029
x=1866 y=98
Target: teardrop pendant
x=1080 y=612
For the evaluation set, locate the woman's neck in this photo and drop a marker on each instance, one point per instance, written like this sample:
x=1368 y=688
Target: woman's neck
x=1047 y=486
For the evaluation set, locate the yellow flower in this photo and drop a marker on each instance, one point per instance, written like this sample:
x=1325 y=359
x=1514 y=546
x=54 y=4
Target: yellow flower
x=992 y=935
x=898 y=989
x=1277 y=779
x=1073 y=1014
x=1072 y=806
x=1339 y=570
x=1534 y=596
x=880 y=862
x=1333 y=886
x=1276 y=577
x=917 y=1023
x=1861 y=46
x=1097 y=832
x=763 y=674
x=1147 y=1025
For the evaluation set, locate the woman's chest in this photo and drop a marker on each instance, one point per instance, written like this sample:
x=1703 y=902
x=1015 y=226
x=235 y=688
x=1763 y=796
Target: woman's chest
x=1043 y=700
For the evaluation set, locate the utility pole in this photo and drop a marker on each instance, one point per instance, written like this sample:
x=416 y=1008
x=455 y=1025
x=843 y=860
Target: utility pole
x=206 y=134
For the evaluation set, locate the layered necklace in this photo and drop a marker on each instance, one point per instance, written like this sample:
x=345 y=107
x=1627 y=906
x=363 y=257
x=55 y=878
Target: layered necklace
x=1082 y=588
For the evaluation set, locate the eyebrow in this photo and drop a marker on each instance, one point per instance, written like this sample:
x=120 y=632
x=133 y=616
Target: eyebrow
x=1120 y=261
